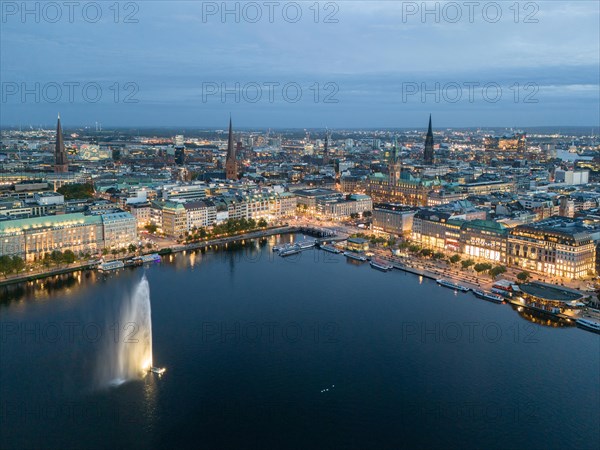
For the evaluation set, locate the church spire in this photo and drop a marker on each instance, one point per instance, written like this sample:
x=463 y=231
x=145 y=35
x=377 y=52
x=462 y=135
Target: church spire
x=428 y=153
x=326 y=148
x=230 y=147
x=61 y=162
x=231 y=166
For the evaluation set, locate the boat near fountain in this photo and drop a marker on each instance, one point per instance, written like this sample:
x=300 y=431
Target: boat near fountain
x=110 y=265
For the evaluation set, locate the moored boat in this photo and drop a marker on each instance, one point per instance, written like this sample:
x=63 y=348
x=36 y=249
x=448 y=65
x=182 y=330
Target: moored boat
x=451 y=285
x=289 y=251
x=381 y=265
x=111 y=265
x=589 y=325
x=330 y=249
x=490 y=296
x=355 y=256
x=306 y=244
x=153 y=257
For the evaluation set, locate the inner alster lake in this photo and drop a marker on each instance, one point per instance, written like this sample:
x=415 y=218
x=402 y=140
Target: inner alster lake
x=308 y=351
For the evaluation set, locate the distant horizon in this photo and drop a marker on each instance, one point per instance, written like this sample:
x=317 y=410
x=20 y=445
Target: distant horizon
x=106 y=128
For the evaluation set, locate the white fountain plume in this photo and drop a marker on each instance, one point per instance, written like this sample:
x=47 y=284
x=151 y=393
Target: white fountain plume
x=129 y=354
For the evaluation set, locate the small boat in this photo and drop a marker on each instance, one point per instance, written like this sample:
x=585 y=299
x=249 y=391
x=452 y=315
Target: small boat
x=153 y=257
x=158 y=370
x=381 y=265
x=488 y=296
x=502 y=292
x=306 y=244
x=110 y=265
x=589 y=325
x=451 y=285
x=330 y=249
x=289 y=251
x=355 y=256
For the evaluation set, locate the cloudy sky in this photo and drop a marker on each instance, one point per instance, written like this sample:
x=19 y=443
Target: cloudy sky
x=301 y=64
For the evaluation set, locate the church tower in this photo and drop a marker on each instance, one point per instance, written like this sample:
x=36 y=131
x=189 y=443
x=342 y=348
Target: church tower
x=61 y=162
x=395 y=166
x=326 y=149
x=428 y=154
x=231 y=164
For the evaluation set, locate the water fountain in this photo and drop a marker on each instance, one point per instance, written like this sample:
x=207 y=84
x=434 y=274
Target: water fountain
x=128 y=355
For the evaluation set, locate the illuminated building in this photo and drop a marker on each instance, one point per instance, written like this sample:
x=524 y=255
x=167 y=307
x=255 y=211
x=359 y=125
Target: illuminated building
x=332 y=204
x=358 y=245
x=437 y=230
x=558 y=246
x=513 y=142
x=488 y=187
x=389 y=218
x=484 y=239
x=406 y=191
x=33 y=237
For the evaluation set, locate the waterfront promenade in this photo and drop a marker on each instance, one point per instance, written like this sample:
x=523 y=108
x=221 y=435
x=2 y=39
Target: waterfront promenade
x=40 y=273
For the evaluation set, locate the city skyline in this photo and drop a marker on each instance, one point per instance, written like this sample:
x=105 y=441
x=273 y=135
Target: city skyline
x=338 y=224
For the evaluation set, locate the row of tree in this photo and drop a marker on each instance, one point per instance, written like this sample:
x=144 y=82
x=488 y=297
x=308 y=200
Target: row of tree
x=12 y=264
x=131 y=248
x=228 y=227
x=373 y=239
x=482 y=267
x=56 y=257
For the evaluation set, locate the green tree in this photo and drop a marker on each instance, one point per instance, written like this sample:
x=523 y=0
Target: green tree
x=498 y=270
x=47 y=260
x=77 y=191
x=6 y=264
x=17 y=264
x=132 y=248
x=482 y=267
x=426 y=252
x=149 y=245
x=455 y=258
x=151 y=228
x=366 y=214
x=57 y=257
x=523 y=276
x=262 y=223
x=467 y=263
x=354 y=216
x=68 y=256
x=105 y=251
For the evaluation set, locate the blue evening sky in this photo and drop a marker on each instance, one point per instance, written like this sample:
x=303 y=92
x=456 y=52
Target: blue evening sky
x=358 y=64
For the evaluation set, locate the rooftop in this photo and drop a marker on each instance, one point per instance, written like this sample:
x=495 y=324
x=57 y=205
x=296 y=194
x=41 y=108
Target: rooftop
x=550 y=292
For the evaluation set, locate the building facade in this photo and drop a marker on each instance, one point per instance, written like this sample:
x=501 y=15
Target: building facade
x=393 y=219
